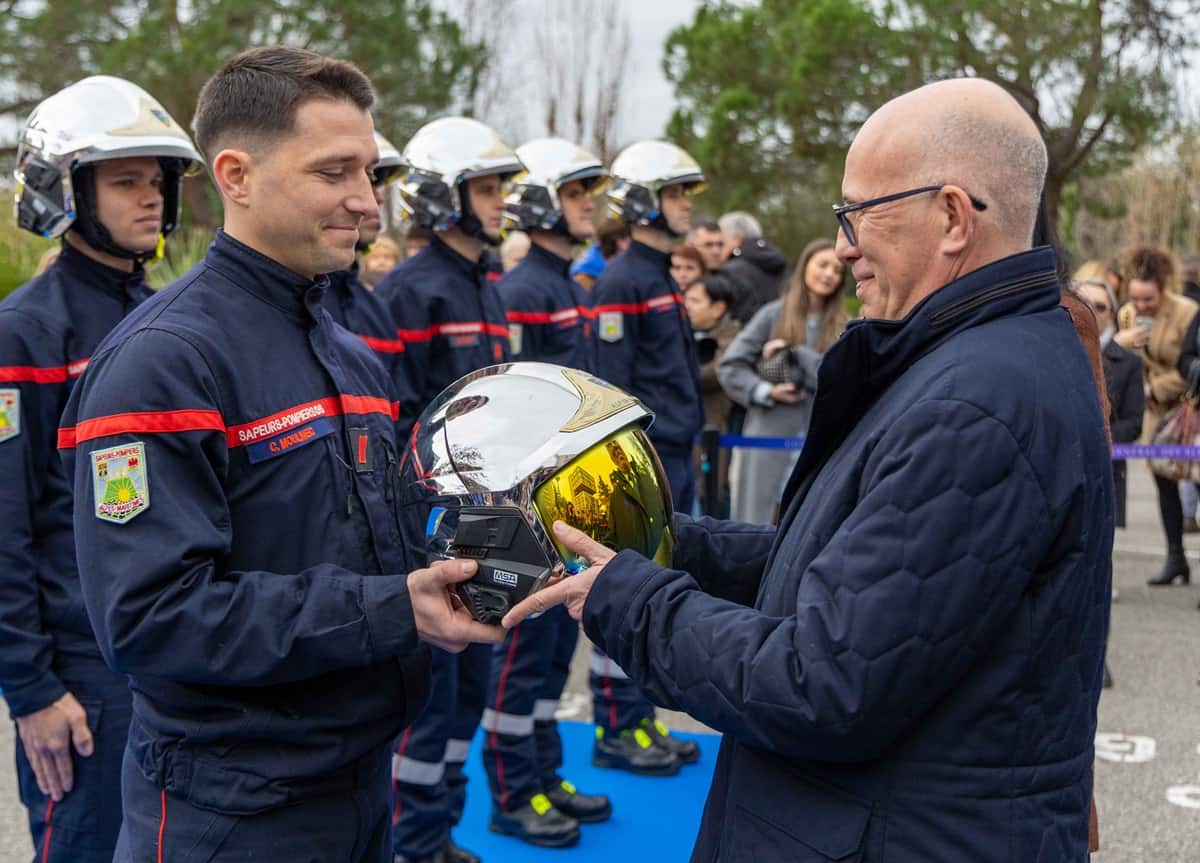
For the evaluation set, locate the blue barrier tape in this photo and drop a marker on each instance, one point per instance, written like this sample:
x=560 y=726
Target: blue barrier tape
x=1120 y=451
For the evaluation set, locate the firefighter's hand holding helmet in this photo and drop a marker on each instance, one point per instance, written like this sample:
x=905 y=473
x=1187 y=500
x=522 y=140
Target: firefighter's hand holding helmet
x=571 y=592
x=442 y=619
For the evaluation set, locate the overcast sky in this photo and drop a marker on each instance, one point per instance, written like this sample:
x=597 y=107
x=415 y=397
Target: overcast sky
x=651 y=101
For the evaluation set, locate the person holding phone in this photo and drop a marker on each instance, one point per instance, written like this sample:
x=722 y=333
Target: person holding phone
x=1153 y=324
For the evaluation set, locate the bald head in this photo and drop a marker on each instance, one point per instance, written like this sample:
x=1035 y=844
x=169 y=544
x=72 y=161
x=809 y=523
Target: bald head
x=968 y=132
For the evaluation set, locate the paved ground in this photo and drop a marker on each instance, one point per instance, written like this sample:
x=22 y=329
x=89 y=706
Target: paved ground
x=1148 y=769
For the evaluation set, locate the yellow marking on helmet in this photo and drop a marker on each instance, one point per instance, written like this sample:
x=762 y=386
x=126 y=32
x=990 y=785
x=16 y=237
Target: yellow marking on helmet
x=598 y=400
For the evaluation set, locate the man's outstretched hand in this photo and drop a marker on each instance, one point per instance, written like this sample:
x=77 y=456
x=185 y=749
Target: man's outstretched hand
x=571 y=591
x=442 y=619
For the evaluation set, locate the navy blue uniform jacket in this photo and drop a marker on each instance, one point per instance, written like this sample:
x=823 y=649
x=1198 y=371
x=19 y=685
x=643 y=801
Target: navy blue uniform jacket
x=48 y=330
x=549 y=315
x=234 y=459
x=908 y=670
x=449 y=315
x=363 y=312
x=645 y=344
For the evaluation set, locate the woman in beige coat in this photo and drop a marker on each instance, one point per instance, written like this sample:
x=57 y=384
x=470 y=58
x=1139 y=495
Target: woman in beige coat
x=1153 y=324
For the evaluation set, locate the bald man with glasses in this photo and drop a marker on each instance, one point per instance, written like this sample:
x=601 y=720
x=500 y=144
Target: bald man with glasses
x=907 y=668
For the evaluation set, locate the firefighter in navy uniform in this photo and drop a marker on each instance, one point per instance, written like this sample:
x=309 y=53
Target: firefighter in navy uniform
x=449 y=314
x=99 y=164
x=644 y=345
x=234 y=463
x=348 y=300
x=549 y=321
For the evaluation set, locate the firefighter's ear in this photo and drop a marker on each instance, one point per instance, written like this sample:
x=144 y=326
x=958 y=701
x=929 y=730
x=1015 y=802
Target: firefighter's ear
x=233 y=171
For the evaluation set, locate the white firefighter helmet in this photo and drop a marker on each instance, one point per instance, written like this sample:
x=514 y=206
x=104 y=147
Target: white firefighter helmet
x=550 y=163
x=505 y=451
x=640 y=172
x=439 y=158
x=93 y=120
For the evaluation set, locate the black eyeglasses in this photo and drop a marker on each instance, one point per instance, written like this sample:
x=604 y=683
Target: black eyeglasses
x=842 y=211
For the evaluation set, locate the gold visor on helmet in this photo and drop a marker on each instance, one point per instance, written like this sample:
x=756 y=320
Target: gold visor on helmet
x=616 y=493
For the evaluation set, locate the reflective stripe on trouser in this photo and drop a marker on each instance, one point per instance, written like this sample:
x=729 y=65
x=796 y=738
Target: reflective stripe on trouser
x=429 y=785
x=346 y=827
x=82 y=827
x=522 y=751
x=617 y=703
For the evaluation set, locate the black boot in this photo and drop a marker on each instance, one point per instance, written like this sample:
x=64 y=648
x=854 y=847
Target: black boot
x=537 y=822
x=685 y=750
x=1175 y=568
x=585 y=808
x=455 y=854
x=633 y=750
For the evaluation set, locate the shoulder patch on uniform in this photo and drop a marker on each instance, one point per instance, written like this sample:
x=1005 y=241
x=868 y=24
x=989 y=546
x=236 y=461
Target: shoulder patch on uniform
x=120 y=483
x=515 y=331
x=612 y=326
x=10 y=414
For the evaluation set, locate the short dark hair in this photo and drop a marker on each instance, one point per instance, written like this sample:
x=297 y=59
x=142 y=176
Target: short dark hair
x=609 y=234
x=709 y=225
x=256 y=94
x=717 y=286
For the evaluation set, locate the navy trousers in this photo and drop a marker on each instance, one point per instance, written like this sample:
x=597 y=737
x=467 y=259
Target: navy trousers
x=429 y=785
x=82 y=827
x=522 y=751
x=352 y=827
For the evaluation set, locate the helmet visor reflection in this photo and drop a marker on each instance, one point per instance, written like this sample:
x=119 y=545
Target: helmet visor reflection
x=617 y=494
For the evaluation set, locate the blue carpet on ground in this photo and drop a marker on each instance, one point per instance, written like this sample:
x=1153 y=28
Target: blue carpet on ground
x=654 y=818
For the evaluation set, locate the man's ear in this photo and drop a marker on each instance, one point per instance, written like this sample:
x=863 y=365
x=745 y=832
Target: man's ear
x=958 y=219
x=232 y=170
x=724 y=307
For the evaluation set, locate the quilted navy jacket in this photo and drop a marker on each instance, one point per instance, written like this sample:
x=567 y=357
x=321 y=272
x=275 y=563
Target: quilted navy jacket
x=907 y=671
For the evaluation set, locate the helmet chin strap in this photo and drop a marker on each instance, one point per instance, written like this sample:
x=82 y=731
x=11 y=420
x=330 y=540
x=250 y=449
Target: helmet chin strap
x=561 y=228
x=88 y=226
x=468 y=222
x=659 y=223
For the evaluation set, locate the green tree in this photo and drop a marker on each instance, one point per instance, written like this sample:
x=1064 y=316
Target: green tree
x=417 y=57
x=770 y=93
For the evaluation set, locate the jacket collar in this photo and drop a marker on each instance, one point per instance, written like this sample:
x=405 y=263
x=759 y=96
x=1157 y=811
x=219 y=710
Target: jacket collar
x=343 y=283
x=79 y=269
x=475 y=270
x=872 y=354
x=637 y=250
x=543 y=259
x=264 y=277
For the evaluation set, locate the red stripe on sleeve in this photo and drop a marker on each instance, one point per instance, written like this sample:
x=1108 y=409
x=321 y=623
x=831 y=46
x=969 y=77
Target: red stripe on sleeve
x=149 y=422
x=42 y=374
x=652 y=304
x=384 y=346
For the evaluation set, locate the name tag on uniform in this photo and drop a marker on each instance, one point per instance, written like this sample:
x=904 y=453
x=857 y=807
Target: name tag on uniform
x=284 y=442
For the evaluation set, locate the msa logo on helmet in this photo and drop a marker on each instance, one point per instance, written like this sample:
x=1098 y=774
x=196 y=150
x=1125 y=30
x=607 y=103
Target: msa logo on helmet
x=508 y=579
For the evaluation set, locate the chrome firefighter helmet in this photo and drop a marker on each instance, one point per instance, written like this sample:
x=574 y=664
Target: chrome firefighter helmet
x=390 y=163
x=640 y=172
x=93 y=120
x=439 y=159
x=505 y=451
x=550 y=163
